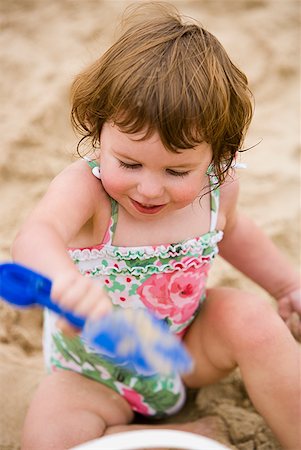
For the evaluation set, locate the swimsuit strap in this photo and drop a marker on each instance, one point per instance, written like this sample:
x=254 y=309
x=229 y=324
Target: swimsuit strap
x=214 y=197
x=113 y=221
x=109 y=235
x=215 y=191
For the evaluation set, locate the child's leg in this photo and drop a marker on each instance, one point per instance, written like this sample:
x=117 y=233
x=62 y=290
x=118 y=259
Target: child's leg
x=69 y=409
x=235 y=328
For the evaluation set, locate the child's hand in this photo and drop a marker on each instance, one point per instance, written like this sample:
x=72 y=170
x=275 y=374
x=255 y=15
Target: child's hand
x=289 y=308
x=81 y=295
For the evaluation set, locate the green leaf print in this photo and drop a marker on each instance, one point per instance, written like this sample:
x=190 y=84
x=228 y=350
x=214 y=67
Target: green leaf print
x=123 y=375
x=208 y=251
x=55 y=362
x=133 y=289
x=213 y=205
x=95 y=375
x=146 y=385
x=116 y=286
x=162 y=400
x=156 y=392
x=132 y=263
x=62 y=349
x=73 y=349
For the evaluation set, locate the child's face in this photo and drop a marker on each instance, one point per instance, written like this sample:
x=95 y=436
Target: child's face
x=145 y=178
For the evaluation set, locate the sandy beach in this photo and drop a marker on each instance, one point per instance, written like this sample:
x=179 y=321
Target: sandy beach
x=42 y=47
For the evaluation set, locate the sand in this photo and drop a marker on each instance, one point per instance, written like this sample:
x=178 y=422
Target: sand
x=42 y=46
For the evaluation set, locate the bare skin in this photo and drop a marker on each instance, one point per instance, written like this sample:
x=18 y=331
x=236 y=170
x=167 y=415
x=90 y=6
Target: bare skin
x=89 y=410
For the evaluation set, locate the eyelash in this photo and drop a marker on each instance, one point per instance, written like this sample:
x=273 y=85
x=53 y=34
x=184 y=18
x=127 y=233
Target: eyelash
x=136 y=166
x=128 y=166
x=178 y=174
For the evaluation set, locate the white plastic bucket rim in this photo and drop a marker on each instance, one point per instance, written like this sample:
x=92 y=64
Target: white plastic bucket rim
x=143 y=439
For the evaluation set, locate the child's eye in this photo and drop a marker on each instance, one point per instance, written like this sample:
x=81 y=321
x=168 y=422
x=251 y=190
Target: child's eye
x=129 y=166
x=174 y=173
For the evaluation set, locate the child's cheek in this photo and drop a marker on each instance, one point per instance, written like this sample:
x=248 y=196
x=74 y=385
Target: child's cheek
x=187 y=194
x=114 y=183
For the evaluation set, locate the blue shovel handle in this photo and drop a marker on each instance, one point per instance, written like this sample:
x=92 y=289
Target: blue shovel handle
x=24 y=287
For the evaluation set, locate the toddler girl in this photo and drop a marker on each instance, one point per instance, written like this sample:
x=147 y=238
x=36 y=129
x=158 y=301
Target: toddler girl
x=137 y=222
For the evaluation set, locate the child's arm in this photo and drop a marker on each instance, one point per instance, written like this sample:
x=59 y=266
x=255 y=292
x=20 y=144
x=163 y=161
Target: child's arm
x=250 y=250
x=41 y=244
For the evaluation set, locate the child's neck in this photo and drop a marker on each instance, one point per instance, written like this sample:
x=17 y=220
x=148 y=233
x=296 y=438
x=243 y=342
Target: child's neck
x=176 y=226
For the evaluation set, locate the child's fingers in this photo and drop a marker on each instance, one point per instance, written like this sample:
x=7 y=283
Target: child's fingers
x=66 y=288
x=83 y=296
x=100 y=310
x=70 y=292
x=95 y=303
x=76 y=293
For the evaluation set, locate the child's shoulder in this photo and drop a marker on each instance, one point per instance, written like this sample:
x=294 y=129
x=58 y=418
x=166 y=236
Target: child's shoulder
x=79 y=175
x=77 y=183
x=78 y=168
x=230 y=186
x=229 y=192
x=76 y=196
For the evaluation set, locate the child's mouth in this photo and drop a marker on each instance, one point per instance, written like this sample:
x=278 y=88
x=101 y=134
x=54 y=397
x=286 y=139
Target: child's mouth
x=146 y=208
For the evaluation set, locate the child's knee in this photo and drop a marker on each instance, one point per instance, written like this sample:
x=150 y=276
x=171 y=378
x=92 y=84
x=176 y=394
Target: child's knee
x=242 y=318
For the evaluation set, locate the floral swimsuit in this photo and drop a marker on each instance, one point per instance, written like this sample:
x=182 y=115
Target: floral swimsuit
x=168 y=279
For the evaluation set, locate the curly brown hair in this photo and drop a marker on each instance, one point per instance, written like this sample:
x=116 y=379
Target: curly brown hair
x=168 y=75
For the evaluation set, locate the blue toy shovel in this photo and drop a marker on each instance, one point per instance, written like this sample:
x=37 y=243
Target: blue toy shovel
x=134 y=339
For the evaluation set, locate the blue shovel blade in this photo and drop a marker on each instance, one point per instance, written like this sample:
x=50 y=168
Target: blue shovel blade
x=138 y=339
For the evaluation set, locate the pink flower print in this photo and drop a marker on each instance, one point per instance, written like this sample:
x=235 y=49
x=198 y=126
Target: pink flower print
x=175 y=295
x=135 y=400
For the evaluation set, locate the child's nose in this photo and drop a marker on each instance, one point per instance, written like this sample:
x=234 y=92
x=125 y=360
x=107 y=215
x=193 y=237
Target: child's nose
x=150 y=187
